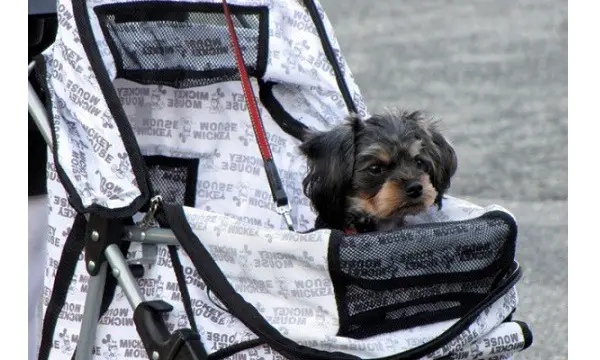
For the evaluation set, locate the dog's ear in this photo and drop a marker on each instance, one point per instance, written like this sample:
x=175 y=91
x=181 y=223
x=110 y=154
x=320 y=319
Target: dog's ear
x=445 y=163
x=440 y=151
x=330 y=162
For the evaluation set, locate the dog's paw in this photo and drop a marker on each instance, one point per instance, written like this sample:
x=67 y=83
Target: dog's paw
x=362 y=222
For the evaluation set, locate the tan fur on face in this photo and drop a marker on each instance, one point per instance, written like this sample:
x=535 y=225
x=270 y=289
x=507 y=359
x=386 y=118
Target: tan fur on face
x=391 y=199
x=429 y=192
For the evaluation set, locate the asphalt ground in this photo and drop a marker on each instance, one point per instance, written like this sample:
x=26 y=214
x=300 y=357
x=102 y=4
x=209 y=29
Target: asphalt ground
x=495 y=73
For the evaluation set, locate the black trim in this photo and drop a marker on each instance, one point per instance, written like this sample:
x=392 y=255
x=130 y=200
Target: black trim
x=185 y=294
x=328 y=49
x=430 y=279
x=234 y=349
x=375 y=322
x=64 y=275
x=468 y=300
x=286 y=122
x=220 y=286
x=40 y=70
x=527 y=334
x=464 y=322
x=110 y=287
x=148 y=11
x=251 y=318
x=450 y=356
x=179 y=274
x=171 y=77
x=82 y=22
x=339 y=290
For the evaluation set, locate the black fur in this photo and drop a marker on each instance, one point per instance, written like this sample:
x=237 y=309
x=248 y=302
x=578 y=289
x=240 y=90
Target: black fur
x=330 y=157
x=340 y=164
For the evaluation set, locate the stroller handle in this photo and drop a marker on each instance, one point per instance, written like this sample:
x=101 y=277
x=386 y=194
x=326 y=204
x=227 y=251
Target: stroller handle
x=38 y=112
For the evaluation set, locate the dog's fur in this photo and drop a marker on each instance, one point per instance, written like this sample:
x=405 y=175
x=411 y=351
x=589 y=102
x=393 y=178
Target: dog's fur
x=367 y=175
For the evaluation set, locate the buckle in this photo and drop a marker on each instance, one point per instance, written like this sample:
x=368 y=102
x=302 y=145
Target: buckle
x=286 y=211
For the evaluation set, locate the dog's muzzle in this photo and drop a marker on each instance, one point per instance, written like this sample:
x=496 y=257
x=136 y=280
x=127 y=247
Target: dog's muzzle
x=413 y=189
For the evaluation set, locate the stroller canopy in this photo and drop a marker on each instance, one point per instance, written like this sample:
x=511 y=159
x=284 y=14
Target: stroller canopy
x=160 y=78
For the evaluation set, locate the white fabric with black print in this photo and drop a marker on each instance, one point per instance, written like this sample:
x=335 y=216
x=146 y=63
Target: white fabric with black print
x=92 y=151
x=209 y=123
x=245 y=254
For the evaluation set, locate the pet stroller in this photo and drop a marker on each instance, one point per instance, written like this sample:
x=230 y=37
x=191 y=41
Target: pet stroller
x=177 y=225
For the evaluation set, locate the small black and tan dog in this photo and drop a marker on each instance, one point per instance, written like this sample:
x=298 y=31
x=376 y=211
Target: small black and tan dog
x=368 y=175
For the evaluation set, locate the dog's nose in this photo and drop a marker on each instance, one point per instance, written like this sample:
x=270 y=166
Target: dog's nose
x=414 y=189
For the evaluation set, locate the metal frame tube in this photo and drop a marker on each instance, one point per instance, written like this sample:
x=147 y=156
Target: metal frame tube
x=91 y=313
x=155 y=236
x=120 y=270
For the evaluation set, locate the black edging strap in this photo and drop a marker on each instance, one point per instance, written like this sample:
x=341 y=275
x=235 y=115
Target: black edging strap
x=41 y=72
x=73 y=196
x=185 y=294
x=64 y=275
x=251 y=318
x=286 y=122
x=110 y=286
x=214 y=278
x=178 y=270
x=328 y=49
x=234 y=349
x=90 y=46
x=527 y=334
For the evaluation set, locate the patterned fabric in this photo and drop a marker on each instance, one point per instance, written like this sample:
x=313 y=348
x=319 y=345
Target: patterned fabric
x=229 y=205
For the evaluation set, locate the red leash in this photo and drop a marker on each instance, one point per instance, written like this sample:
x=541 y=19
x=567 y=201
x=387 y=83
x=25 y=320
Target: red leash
x=277 y=190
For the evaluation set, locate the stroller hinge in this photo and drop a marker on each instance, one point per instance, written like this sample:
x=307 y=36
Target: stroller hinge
x=100 y=233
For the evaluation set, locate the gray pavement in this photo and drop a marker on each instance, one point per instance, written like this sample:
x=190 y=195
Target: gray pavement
x=495 y=72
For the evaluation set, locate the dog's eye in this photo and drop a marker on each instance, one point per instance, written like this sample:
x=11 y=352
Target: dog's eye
x=375 y=169
x=421 y=164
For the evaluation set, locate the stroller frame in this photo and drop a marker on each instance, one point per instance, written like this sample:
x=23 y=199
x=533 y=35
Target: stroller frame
x=103 y=238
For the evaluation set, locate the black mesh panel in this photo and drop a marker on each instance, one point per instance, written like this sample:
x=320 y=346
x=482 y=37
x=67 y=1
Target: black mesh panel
x=174 y=179
x=182 y=44
x=420 y=274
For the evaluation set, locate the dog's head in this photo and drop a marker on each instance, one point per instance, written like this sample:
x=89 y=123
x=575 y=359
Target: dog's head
x=378 y=170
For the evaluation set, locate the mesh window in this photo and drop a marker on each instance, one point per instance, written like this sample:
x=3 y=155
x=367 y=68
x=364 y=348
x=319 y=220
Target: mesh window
x=174 y=179
x=182 y=44
x=420 y=274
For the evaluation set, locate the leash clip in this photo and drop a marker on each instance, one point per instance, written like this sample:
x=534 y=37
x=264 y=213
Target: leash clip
x=286 y=211
x=149 y=216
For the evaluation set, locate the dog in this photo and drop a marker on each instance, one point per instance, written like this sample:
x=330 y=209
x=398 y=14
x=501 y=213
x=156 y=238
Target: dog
x=368 y=175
